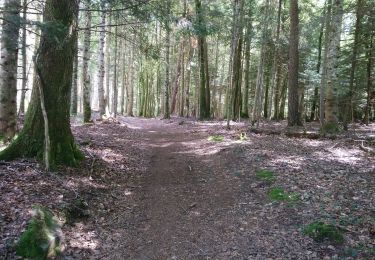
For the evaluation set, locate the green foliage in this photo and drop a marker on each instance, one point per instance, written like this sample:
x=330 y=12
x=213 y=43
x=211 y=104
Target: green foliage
x=41 y=238
x=319 y=231
x=216 y=138
x=265 y=175
x=278 y=194
x=243 y=137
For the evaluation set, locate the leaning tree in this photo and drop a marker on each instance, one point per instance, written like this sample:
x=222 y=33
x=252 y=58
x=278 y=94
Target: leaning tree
x=50 y=100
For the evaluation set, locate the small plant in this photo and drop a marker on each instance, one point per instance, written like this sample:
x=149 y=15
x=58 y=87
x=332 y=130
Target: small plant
x=319 y=231
x=42 y=236
x=278 y=194
x=265 y=175
x=216 y=138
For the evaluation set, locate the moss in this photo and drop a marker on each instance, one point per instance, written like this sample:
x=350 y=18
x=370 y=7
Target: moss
x=319 y=231
x=278 y=194
x=265 y=175
x=42 y=236
x=215 y=138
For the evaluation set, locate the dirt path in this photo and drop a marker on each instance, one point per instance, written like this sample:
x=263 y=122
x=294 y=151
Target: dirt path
x=158 y=189
x=178 y=195
x=196 y=199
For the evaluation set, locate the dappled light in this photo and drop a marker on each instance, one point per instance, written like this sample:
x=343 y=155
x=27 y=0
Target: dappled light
x=181 y=129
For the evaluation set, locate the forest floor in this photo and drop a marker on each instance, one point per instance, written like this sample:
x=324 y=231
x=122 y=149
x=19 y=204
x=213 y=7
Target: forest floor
x=181 y=189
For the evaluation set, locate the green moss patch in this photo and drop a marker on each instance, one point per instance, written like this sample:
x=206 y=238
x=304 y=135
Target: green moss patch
x=215 y=138
x=279 y=194
x=265 y=175
x=41 y=239
x=319 y=231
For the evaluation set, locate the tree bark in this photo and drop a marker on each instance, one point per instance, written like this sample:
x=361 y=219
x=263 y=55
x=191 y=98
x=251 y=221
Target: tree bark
x=101 y=60
x=8 y=69
x=86 y=82
x=332 y=62
x=24 y=59
x=294 y=117
x=55 y=65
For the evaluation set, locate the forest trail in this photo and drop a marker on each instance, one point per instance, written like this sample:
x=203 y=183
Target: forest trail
x=185 y=197
x=179 y=194
x=160 y=189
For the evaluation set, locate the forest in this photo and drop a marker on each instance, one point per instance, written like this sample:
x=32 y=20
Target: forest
x=187 y=129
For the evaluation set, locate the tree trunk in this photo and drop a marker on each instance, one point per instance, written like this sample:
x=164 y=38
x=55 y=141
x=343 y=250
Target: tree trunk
x=167 y=66
x=114 y=85
x=274 y=71
x=54 y=64
x=323 y=84
x=74 y=96
x=24 y=59
x=370 y=63
x=8 y=69
x=101 y=60
x=357 y=33
x=294 y=117
x=316 y=89
x=332 y=62
x=86 y=82
x=177 y=77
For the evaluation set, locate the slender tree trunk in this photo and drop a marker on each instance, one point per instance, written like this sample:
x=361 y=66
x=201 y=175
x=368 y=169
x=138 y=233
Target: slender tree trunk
x=74 y=96
x=101 y=60
x=260 y=74
x=351 y=96
x=188 y=78
x=123 y=67
x=323 y=84
x=370 y=64
x=294 y=116
x=115 y=80
x=177 y=77
x=274 y=74
x=332 y=62
x=108 y=64
x=8 y=68
x=54 y=64
x=24 y=59
x=167 y=66
x=320 y=45
x=86 y=82
x=237 y=11
x=248 y=36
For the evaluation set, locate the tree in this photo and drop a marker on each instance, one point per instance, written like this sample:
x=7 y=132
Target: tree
x=294 y=117
x=8 y=69
x=101 y=60
x=86 y=83
x=333 y=47
x=54 y=66
x=24 y=58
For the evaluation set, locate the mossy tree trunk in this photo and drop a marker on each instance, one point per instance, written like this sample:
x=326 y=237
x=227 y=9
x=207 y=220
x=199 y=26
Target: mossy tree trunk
x=54 y=64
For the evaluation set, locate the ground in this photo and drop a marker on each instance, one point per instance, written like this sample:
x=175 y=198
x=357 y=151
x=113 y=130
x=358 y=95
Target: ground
x=166 y=189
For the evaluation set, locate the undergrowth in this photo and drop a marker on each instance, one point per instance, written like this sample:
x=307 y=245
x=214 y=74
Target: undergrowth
x=320 y=231
x=215 y=138
x=265 y=175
